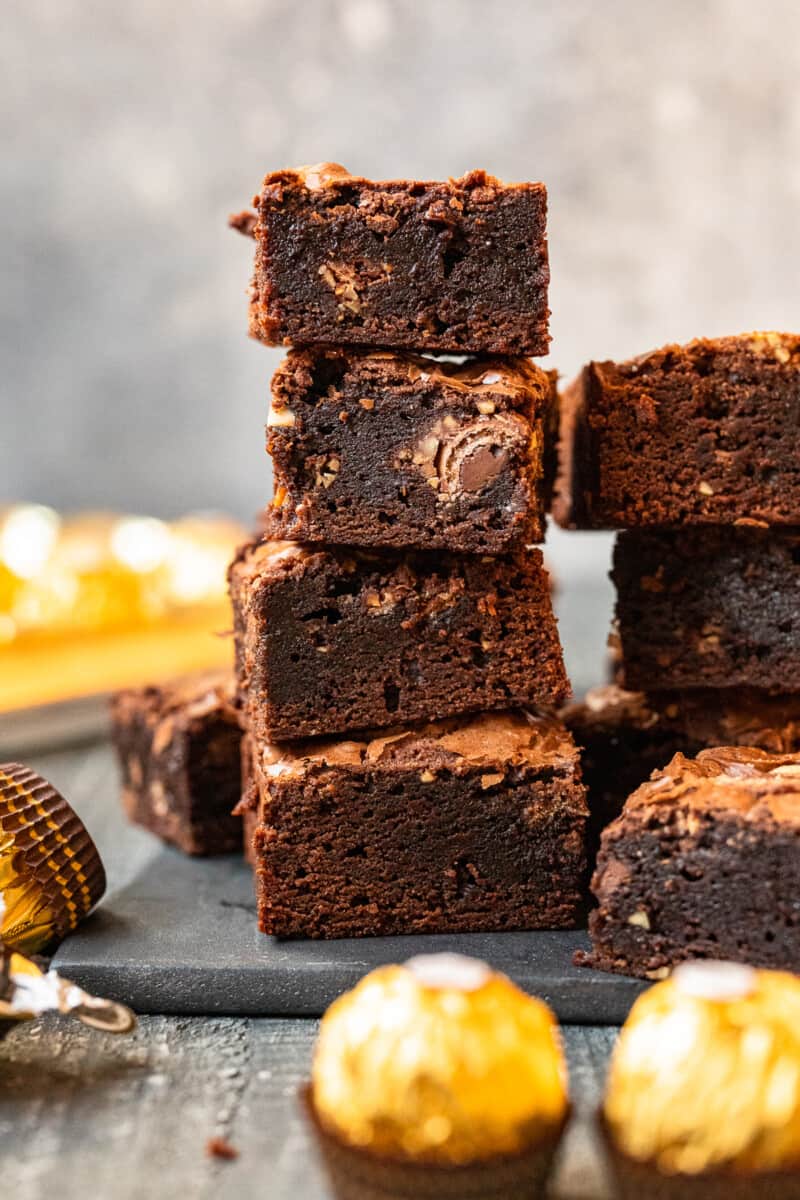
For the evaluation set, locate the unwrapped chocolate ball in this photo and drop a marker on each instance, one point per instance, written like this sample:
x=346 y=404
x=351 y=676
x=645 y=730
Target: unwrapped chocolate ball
x=51 y=875
x=704 y=1082
x=441 y=1063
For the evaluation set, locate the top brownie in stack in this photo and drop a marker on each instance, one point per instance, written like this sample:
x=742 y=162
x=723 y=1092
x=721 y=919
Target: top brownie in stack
x=393 y=449
x=457 y=267
x=706 y=433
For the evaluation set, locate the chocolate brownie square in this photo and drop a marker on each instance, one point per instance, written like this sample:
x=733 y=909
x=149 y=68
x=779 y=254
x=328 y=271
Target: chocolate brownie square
x=458 y=266
x=706 y=433
x=625 y=736
x=179 y=753
x=392 y=449
x=331 y=639
x=704 y=862
x=460 y=825
x=710 y=607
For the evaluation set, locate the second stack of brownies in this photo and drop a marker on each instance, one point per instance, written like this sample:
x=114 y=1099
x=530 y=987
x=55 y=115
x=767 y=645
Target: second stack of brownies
x=691 y=451
x=394 y=631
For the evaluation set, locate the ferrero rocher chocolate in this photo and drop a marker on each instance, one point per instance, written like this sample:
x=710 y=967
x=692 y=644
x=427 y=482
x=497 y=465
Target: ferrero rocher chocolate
x=440 y=1061
x=51 y=875
x=26 y=992
x=705 y=1076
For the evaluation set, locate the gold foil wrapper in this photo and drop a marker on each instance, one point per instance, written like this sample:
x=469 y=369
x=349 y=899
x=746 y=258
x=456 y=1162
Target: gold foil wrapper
x=51 y=875
x=439 y=1061
x=26 y=992
x=705 y=1076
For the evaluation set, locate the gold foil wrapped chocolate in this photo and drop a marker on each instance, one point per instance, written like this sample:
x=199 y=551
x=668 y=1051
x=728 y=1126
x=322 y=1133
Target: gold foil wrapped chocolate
x=440 y=1061
x=51 y=875
x=100 y=600
x=705 y=1076
x=26 y=992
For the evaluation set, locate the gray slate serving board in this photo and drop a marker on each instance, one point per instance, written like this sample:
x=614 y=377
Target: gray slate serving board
x=181 y=937
x=176 y=935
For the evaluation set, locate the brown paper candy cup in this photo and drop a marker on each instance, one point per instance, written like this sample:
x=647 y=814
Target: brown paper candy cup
x=643 y=1181
x=358 y=1175
x=51 y=875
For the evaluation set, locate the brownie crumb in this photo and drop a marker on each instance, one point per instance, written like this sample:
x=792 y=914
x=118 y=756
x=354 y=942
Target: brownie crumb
x=220 y=1147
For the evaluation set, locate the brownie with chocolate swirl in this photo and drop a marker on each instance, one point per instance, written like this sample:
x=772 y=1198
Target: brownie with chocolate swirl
x=394 y=449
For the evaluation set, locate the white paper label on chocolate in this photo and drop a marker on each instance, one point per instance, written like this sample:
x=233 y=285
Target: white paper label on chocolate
x=452 y=971
x=715 y=980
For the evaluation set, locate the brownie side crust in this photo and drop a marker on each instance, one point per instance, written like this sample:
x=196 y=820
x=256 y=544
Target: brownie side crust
x=708 y=608
x=179 y=752
x=332 y=639
x=396 y=450
x=707 y=433
x=702 y=863
x=460 y=825
x=458 y=266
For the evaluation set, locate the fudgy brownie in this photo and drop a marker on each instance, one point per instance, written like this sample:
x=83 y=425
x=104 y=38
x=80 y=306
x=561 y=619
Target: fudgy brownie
x=459 y=266
x=704 y=433
x=179 y=753
x=711 y=607
x=465 y=824
x=625 y=736
x=704 y=862
x=331 y=639
x=392 y=449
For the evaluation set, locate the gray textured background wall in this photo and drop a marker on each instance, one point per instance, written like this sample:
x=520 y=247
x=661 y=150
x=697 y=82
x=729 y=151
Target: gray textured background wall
x=668 y=134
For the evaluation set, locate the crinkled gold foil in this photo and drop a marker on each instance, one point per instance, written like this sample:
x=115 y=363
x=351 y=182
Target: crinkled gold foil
x=26 y=991
x=51 y=875
x=706 y=1080
x=441 y=1074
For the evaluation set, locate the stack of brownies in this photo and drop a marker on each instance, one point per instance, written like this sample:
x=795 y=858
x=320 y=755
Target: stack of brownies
x=393 y=625
x=693 y=451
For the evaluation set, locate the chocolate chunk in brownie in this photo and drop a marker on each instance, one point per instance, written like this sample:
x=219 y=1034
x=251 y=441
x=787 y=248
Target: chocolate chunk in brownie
x=704 y=862
x=625 y=736
x=179 y=752
x=331 y=639
x=459 y=266
x=707 y=433
x=460 y=825
x=710 y=607
x=392 y=449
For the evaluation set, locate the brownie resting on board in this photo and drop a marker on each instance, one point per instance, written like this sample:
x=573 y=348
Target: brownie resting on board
x=458 y=266
x=625 y=736
x=705 y=433
x=332 y=639
x=392 y=449
x=704 y=862
x=462 y=825
x=712 y=607
x=179 y=751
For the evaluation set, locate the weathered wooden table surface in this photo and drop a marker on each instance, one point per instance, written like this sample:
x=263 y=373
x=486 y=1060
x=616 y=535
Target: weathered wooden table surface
x=83 y=1114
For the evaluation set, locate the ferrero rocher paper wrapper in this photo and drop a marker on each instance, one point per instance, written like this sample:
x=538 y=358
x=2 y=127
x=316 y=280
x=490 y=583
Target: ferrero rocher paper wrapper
x=51 y=875
x=428 y=1074
x=705 y=1081
x=26 y=991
